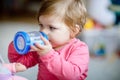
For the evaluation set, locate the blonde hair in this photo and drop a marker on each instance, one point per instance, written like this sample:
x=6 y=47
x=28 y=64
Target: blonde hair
x=72 y=12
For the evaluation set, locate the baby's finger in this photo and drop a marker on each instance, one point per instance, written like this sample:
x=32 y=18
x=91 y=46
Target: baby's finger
x=39 y=46
x=33 y=48
x=45 y=40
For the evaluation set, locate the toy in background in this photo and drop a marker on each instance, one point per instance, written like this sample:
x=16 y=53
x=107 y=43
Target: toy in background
x=102 y=42
x=23 y=40
x=98 y=11
x=99 y=47
x=92 y=24
x=96 y=42
x=7 y=71
x=115 y=7
x=89 y=24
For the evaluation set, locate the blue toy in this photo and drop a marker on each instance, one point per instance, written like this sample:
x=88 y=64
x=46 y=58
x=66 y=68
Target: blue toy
x=23 y=40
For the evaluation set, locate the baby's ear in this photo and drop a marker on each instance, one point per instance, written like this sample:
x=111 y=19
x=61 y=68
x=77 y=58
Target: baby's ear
x=77 y=28
x=75 y=31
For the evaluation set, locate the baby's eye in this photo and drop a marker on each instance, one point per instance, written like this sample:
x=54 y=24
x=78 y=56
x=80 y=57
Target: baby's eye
x=52 y=28
x=41 y=26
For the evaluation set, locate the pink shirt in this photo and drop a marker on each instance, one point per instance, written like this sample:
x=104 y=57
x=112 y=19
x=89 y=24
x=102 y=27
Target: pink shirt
x=68 y=63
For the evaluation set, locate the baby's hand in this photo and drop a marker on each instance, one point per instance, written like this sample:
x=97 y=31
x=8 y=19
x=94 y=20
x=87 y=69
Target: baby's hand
x=20 y=67
x=42 y=49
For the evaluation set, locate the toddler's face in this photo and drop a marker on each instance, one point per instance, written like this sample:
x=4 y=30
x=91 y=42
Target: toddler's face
x=58 y=32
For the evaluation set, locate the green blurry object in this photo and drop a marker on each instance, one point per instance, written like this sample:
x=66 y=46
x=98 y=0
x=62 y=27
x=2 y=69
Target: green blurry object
x=115 y=7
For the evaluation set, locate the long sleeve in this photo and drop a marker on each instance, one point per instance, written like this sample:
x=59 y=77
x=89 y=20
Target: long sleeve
x=29 y=59
x=71 y=63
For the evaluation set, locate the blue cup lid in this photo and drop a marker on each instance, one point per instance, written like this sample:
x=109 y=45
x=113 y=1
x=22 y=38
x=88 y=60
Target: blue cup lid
x=21 y=42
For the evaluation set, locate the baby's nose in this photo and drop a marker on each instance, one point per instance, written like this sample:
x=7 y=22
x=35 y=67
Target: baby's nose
x=45 y=31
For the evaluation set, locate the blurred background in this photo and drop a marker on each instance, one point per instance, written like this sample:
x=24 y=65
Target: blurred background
x=101 y=33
